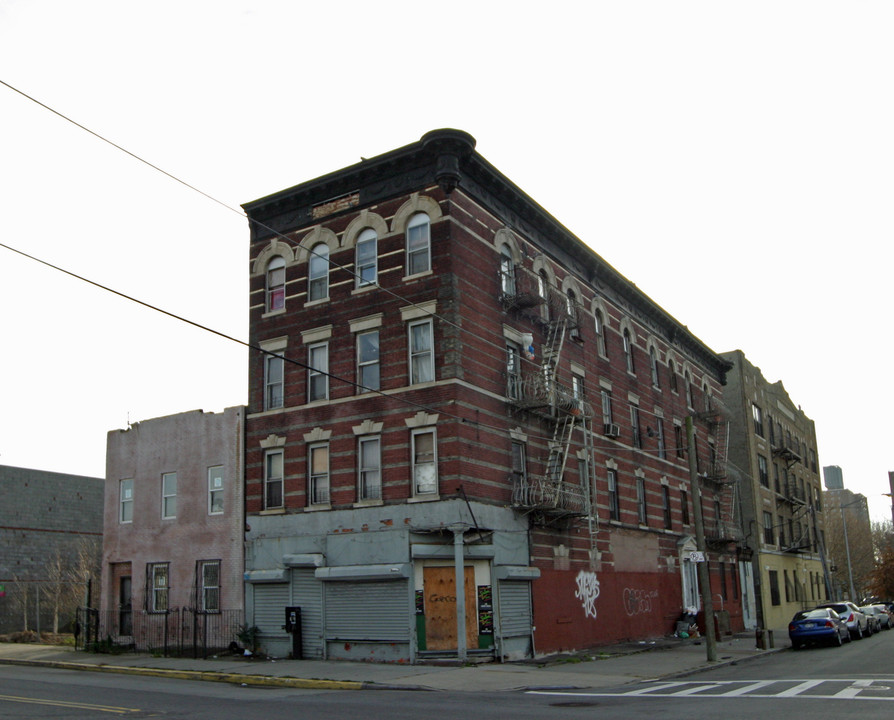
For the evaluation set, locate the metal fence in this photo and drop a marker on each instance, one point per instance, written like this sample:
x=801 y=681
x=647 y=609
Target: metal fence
x=39 y=606
x=179 y=632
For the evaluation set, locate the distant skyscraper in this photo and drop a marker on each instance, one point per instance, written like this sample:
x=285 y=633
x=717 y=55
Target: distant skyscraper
x=833 y=477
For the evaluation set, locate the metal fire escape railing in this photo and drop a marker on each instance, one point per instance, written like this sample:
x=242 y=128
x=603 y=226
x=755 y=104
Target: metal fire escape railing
x=548 y=494
x=728 y=522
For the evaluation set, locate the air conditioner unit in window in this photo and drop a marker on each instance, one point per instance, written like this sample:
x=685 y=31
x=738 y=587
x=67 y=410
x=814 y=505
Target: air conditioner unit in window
x=611 y=429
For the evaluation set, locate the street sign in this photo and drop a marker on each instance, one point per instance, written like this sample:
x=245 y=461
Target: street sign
x=696 y=556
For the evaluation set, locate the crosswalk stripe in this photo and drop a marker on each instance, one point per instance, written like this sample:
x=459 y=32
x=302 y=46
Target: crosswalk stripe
x=655 y=688
x=748 y=688
x=854 y=689
x=695 y=689
x=798 y=689
x=828 y=689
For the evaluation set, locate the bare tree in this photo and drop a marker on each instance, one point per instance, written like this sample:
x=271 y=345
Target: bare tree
x=881 y=582
x=86 y=567
x=54 y=589
x=882 y=537
x=18 y=597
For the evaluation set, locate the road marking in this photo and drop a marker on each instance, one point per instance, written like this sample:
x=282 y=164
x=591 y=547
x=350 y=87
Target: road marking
x=800 y=687
x=749 y=688
x=695 y=689
x=66 y=704
x=856 y=689
x=853 y=690
x=655 y=688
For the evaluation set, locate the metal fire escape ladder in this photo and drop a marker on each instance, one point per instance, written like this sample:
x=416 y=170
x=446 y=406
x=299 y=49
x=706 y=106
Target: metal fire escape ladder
x=558 y=450
x=552 y=351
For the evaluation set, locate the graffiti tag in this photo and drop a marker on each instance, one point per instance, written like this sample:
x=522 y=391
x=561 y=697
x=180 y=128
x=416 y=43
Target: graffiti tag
x=587 y=592
x=637 y=601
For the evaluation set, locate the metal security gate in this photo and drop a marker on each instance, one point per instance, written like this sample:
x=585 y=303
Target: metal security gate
x=270 y=601
x=515 y=619
x=307 y=593
x=367 y=612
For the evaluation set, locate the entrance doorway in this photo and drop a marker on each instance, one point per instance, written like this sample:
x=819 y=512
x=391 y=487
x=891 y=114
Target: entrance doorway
x=125 y=606
x=439 y=585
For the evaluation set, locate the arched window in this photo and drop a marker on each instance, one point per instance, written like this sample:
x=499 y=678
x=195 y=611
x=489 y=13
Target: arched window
x=543 y=292
x=600 y=333
x=318 y=272
x=687 y=382
x=672 y=374
x=653 y=363
x=366 y=262
x=571 y=310
x=628 y=351
x=507 y=271
x=418 y=244
x=276 y=284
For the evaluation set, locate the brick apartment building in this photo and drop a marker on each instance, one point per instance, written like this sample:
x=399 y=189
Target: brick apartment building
x=172 y=558
x=464 y=424
x=773 y=447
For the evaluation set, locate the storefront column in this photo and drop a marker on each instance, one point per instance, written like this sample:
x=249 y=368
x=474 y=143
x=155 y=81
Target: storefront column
x=458 y=547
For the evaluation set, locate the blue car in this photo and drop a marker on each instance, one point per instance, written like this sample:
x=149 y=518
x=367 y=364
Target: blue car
x=822 y=625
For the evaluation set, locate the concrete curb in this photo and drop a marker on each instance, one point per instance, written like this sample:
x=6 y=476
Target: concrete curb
x=723 y=663
x=233 y=678
x=237 y=678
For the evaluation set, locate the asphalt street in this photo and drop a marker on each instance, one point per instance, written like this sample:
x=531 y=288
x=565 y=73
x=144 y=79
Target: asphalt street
x=818 y=684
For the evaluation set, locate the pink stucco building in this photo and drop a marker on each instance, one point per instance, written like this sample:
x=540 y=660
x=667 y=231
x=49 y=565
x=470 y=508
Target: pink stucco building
x=173 y=546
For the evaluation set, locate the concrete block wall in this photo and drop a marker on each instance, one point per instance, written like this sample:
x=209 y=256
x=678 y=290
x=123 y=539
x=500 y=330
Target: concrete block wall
x=43 y=514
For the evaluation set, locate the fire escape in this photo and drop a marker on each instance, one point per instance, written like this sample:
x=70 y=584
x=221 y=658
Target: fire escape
x=547 y=497
x=716 y=473
x=791 y=494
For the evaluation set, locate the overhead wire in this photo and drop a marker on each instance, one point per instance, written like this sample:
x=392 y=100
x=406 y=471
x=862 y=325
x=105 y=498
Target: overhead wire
x=501 y=347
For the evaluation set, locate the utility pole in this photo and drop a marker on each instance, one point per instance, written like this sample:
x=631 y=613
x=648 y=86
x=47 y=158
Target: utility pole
x=847 y=550
x=704 y=579
x=827 y=576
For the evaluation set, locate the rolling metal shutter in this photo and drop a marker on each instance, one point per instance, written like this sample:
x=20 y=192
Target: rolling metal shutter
x=515 y=609
x=376 y=611
x=307 y=593
x=270 y=601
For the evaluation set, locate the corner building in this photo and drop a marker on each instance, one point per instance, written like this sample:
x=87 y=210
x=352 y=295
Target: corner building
x=465 y=432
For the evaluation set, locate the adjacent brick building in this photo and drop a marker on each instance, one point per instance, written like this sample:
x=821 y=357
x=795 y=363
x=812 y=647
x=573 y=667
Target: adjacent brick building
x=774 y=450
x=173 y=528
x=460 y=416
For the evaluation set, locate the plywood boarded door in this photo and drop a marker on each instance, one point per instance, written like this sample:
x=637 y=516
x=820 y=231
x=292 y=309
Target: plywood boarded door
x=440 y=607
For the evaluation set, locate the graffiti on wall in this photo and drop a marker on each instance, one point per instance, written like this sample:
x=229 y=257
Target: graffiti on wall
x=637 y=601
x=587 y=592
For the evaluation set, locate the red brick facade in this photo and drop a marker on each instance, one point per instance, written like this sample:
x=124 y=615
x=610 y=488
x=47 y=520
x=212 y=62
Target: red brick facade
x=632 y=565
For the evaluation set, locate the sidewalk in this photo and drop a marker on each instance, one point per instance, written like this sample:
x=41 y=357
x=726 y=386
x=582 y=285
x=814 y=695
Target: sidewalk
x=606 y=667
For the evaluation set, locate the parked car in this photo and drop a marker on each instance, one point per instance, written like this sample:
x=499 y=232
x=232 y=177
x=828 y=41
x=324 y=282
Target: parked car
x=872 y=619
x=822 y=625
x=880 y=614
x=857 y=622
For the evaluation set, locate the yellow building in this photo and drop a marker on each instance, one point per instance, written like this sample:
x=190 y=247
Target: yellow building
x=773 y=448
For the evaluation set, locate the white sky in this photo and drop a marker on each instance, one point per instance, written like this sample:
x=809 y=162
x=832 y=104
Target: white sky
x=733 y=159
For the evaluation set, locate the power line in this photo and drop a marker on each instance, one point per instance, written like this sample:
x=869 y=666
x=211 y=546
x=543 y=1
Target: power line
x=501 y=347
x=293 y=361
x=230 y=208
x=446 y=321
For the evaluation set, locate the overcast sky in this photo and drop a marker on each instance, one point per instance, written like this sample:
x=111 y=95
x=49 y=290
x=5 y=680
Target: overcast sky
x=733 y=159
